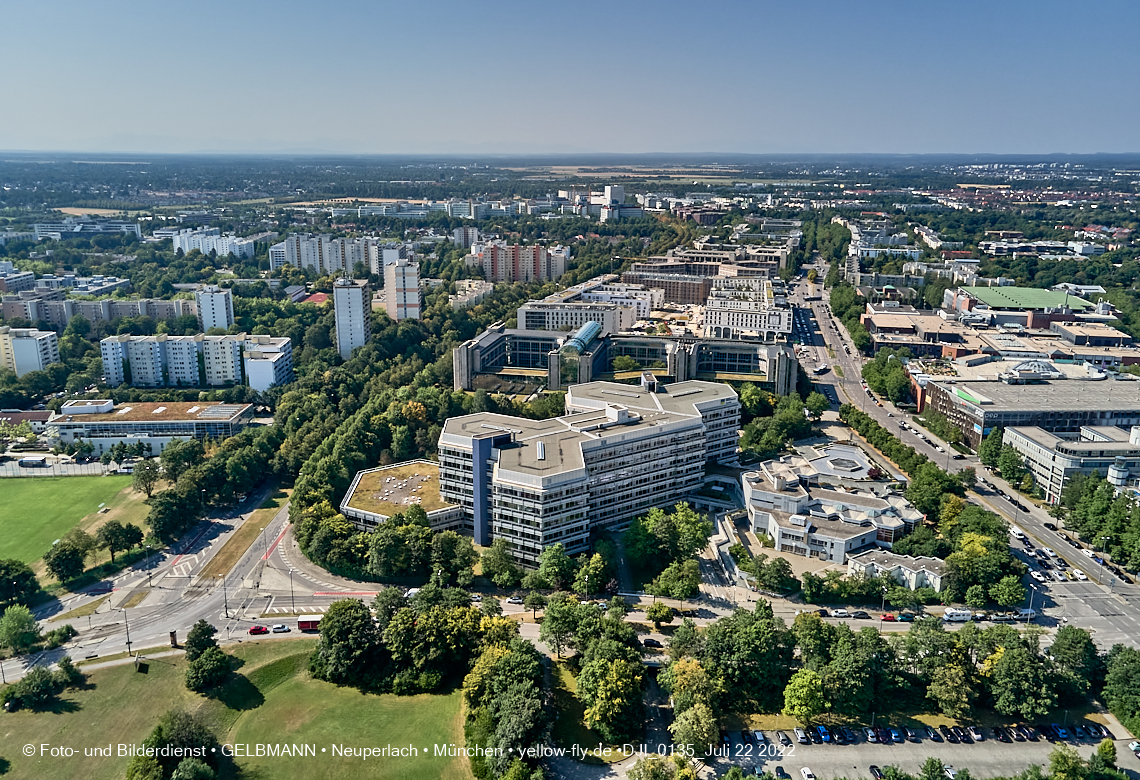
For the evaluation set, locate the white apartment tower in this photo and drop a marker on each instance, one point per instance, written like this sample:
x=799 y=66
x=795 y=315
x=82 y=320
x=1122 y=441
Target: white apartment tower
x=215 y=307
x=27 y=349
x=352 y=302
x=403 y=297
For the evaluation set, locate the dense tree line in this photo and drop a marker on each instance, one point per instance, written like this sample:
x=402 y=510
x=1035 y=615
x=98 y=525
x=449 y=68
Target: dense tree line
x=847 y=307
x=661 y=539
x=1105 y=521
x=887 y=375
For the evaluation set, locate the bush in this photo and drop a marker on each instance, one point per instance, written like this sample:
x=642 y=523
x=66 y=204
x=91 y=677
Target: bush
x=207 y=670
x=37 y=688
x=57 y=636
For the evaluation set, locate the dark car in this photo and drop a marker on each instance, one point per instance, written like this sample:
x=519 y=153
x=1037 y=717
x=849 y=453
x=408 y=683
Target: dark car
x=837 y=736
x=1016 y=733
x=781 y=774
x=651 y=642
x=876 y=772
x=783 y=737
x=906 y=617
x=258 y=630
x=1001 y=734
x=1051 y=527
x=1028 y=732
x=746 y=736
x=911 y=735
x=932 y=734
x=963 y=736
x=949 y=734
x=1046 y=731
x=860 y=615
x=884 y=735
x=822 y=612
x=1078 y=732
x=725 y=739
x=850 y=736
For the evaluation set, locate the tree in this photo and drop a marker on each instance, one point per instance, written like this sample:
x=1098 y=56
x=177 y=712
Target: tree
x=976 y=596
x=1106 y=752
x=625 y=363
x=659 y=612
x=951 y=691
x=611 y=691
x=176 y=732
x=208 y=670
x=347 y=649
x=500 y=566
x=1008 y=591
x=1011 y=465
x=144 y=768
x=817 y=404
x=589 y=575
x=803 y=696
x=1020 y=684
x=555 y=566
x=115 y=536
x=200 y=639
x=18 y=628
x=180 y=456
x=697 y=728
x=455 y=556
x=1066 y=764
x=193 y=769
x=534 y=601
x=1077 y=660
x=65 y=560
x=989 y=451
x=1122 y=683
x=688 y=684
x=559 y=622
x=146 y=476
x=18 y=584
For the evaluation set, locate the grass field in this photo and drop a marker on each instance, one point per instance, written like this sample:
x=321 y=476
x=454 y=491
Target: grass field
x=36 y=511
x=271 y=700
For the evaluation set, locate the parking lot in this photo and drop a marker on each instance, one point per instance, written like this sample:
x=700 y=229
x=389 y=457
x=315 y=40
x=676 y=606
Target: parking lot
x=989 y=758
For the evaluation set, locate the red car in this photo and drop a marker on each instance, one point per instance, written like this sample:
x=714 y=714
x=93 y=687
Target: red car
x=887 y=616
x=258 y=630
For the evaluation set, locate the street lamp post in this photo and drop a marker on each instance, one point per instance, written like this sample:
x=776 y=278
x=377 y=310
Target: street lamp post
x=225 y=597
x=292 y=601
x=882 y=607
x=127 y=624
x=1029 y=614
x=149 y=571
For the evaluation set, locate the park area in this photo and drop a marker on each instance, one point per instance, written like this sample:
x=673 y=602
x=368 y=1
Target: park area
x=35 y=511
x=270 y=700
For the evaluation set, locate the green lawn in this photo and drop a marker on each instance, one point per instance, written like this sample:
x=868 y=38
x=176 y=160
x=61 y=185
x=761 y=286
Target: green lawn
x=35 y=511
x=271 y=700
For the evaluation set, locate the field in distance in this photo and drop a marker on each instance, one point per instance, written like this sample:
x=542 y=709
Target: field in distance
x=35 y=511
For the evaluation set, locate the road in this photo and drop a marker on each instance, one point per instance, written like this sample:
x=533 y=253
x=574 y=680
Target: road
x=1105 y=604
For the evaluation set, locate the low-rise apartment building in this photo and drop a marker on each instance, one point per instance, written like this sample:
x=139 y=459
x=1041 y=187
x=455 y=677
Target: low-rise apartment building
x=197 y=361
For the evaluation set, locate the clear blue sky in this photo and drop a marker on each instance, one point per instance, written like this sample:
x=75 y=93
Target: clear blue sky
x=438 y=76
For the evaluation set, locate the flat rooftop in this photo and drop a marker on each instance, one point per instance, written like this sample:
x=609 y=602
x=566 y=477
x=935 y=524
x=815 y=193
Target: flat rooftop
x=679 y=398
x=391 y=489
x=888 y=560
x=201 y=411
x=1026 y=298
x=1069 y=396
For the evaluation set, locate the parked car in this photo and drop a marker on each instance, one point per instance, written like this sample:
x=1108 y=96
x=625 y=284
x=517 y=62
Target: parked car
x=949 y=734
x=746 y=736
x=801 y=736
x=897 y=735
x=1088 y=553
x=876 y=772
x=963 y=736
x=872 y=735
x=823 y=734
x=1060 y=731
x=1037 y=576
x=840 y=613
x=976 y=734
x=281 y=628
x=258 y=630
x=783 y=737
x=932 y=734
x=884 y=735
x=906 y=617
x=1077 y=731
x=780 y=773
x=1028 y=732
x=1046 y=730
x=476 y=597
x=514 y=600
x=807 y=774
x=1051 y=527
x=1001 y=734
x=911 y=735
x=850 y=735
x=649 y=642
x=950 y=772
x=860 y=615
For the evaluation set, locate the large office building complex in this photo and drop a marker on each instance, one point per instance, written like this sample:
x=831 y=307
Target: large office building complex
x=27 y=349
x=613 y=305
x=197 y=361
x=1055 y=459
x=215 y=307
x=746 y=307
x=352 y=304
x=619 y=451
x=82 y=227
x=1062 y=407
x=403 y=296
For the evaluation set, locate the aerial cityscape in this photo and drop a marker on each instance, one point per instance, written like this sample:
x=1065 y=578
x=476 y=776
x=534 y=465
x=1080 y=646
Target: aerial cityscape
x=387 y=435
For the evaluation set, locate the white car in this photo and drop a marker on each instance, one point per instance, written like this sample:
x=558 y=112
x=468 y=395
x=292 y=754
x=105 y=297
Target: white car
x=1080 y=575
x=940 y=449
x=839 y=613
x=950 y=771
x=1088 y=553
x=476 y=597
x=1037 y=576
x=280 y=628
x=1049 y=552
x=1058 y=576
x=807 y=773
x=1017 y=534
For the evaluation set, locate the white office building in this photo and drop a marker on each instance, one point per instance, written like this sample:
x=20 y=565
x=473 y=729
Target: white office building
x=403 y=296
x=215 y=307
x=352 y=305
x=737 y=307
x=618 y=452
x=26 y=349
